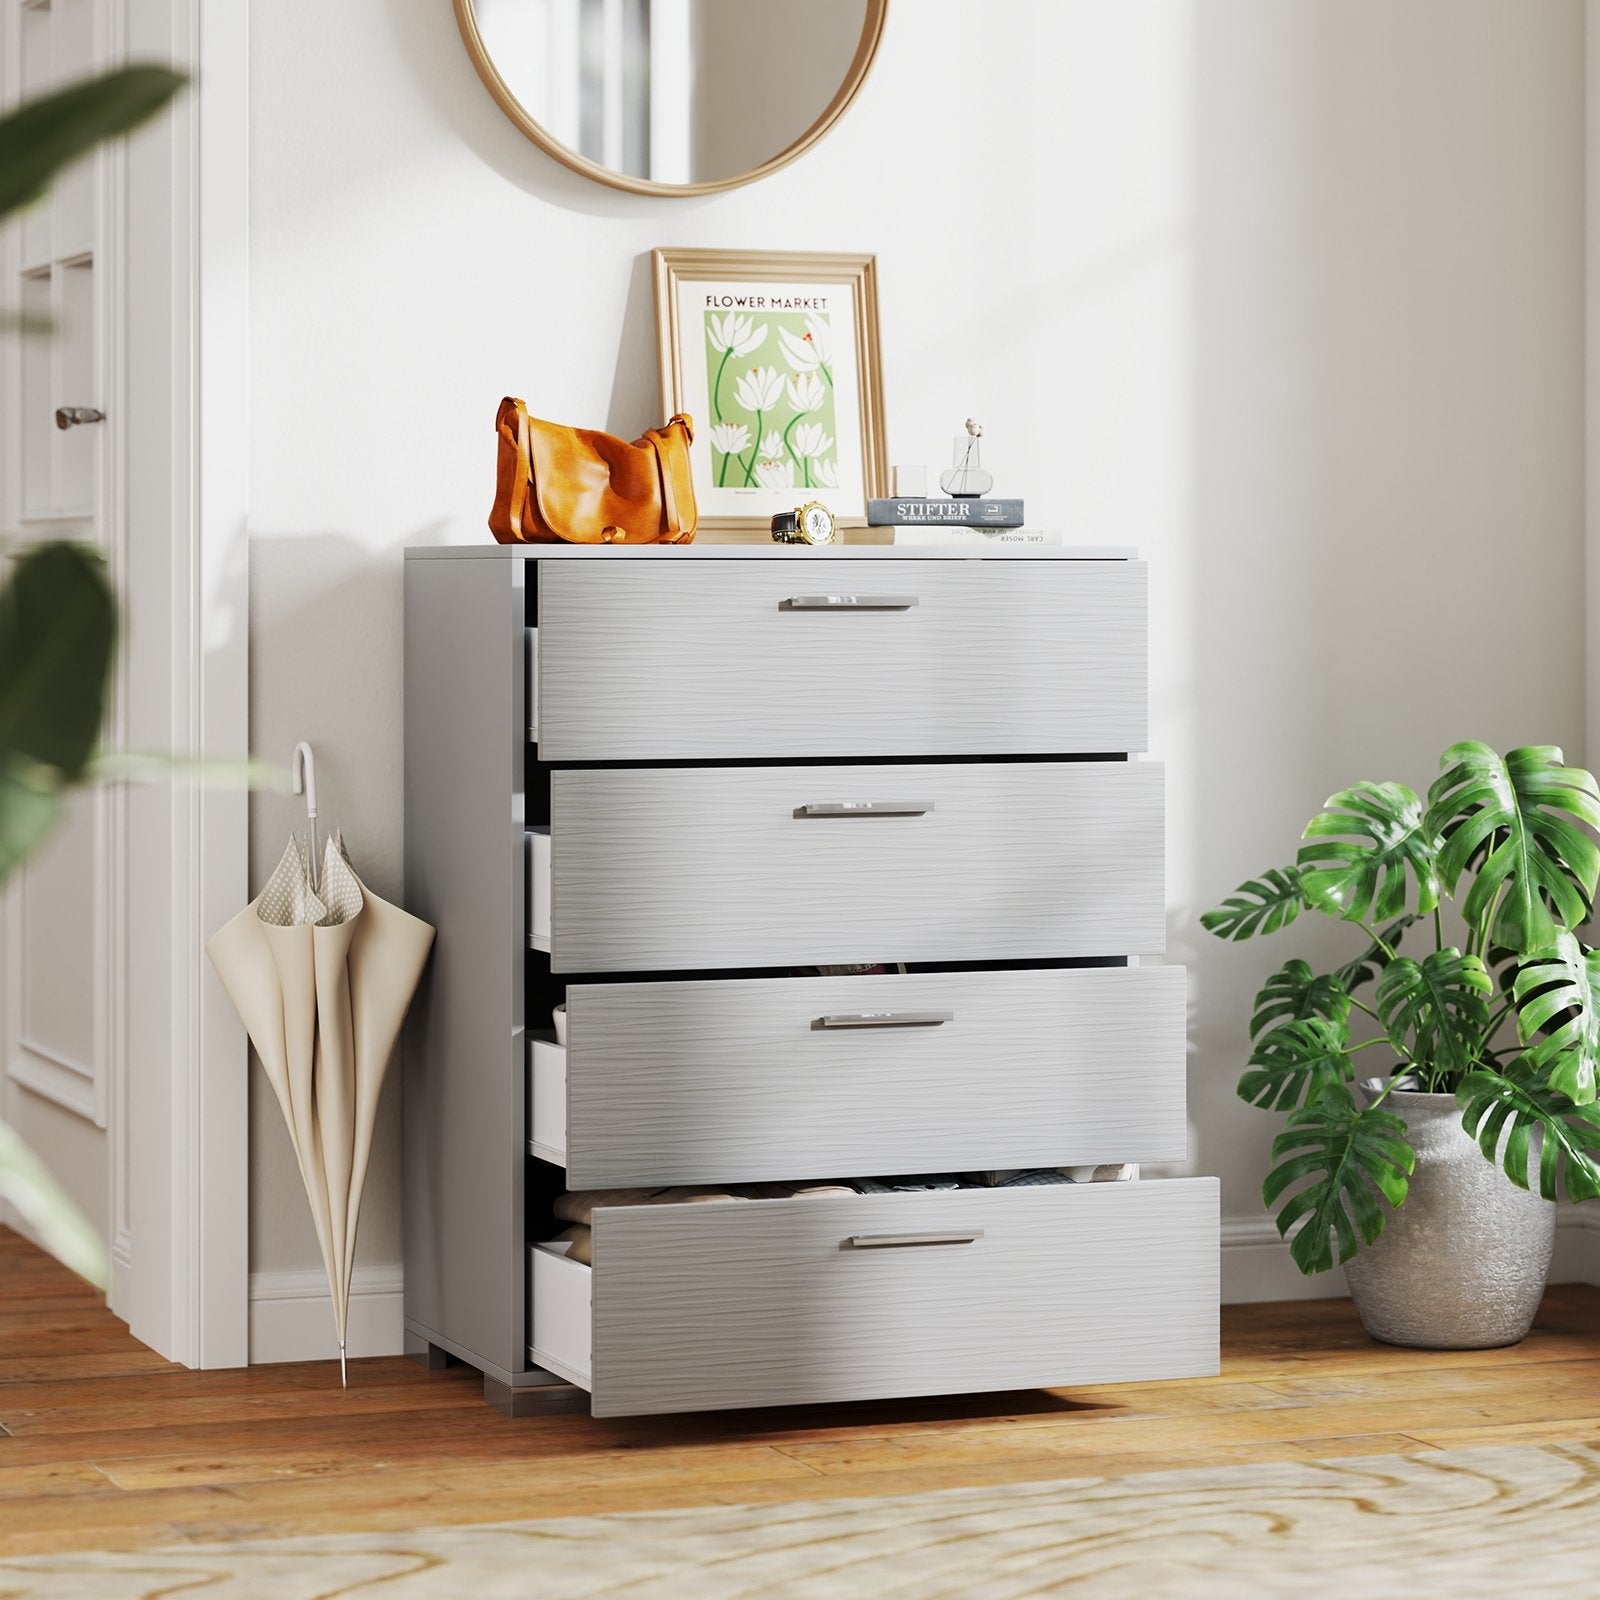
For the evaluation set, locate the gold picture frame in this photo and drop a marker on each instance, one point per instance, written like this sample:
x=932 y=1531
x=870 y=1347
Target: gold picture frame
x=776 y=355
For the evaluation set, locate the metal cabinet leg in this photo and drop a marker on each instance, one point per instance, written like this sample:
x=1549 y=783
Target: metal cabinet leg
x=426 y=1354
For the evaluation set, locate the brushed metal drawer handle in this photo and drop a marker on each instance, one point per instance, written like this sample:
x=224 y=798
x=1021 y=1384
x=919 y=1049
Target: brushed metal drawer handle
x=848 y=602
x=885 y=1019
x=894 y=1241
x=865 y=808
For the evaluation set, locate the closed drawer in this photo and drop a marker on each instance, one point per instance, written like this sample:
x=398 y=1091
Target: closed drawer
x=715 y=867
x=744 y=659
x=779 y=1302
x=744 y=1081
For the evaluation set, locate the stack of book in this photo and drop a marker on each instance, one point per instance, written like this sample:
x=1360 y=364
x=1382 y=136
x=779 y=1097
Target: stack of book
x=943 y=520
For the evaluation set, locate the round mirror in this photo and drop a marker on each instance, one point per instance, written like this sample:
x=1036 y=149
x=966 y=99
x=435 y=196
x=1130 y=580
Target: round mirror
x=672 y=96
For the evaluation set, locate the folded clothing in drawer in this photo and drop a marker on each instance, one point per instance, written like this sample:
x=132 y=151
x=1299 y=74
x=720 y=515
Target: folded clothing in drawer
x=578 y=1207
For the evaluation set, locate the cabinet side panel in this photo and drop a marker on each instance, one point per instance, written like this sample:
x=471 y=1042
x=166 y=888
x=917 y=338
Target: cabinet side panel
x=463 y=1090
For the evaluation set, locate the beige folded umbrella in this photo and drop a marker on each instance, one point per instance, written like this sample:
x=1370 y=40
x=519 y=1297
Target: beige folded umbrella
x=321 y=977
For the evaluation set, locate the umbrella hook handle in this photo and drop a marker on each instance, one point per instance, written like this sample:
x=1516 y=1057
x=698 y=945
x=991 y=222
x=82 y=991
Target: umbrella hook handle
x=303 y=778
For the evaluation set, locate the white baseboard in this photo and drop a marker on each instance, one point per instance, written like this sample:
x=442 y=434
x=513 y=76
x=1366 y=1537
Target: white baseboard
x=291 y=1316
x=1256 y=1264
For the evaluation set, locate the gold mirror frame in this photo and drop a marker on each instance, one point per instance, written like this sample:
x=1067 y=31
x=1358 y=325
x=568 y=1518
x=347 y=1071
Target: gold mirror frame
x=861 y=64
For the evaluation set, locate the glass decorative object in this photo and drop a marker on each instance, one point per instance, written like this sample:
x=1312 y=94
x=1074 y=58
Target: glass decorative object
x=966 y=478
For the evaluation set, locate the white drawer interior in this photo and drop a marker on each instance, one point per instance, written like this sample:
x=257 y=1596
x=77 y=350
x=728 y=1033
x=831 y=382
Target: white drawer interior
x=560 y=1320
x=530 y=680
x=537 y=845
x=547 y=1099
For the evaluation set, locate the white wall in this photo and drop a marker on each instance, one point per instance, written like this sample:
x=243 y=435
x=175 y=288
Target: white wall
x=1288 y=295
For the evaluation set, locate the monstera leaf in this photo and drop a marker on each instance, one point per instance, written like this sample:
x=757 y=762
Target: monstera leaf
x=1516 y=821
x=1351 y=1157
x=1296 y=1062
x=1371 y=962
x=1557 y=993
x=1512 y=1103
x=1263 y=905
x=1294 y=993
x=1366 y=849
x=1437 y=1009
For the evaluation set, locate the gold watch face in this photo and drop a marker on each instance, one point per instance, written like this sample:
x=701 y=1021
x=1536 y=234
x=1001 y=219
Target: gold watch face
x=814 y=523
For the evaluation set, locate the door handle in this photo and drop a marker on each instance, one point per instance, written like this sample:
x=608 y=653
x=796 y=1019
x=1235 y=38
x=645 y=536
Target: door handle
x=76 y=416
x=848 y=602
x=885 y=1019
x=896 y=1241
x=865 y=808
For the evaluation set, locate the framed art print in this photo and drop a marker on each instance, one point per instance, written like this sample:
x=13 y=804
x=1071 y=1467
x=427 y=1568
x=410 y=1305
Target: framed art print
x=775 y=356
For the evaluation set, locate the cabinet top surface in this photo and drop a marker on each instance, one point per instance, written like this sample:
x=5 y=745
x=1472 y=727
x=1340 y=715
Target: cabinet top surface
x=771 y=552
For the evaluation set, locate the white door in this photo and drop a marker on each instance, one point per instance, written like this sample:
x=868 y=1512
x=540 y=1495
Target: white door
x=120 y=1059
x=62 y=971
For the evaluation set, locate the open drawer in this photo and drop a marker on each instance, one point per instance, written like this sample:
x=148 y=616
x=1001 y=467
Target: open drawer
x=778 y=1302
x=747 y=1080
x=677 y=868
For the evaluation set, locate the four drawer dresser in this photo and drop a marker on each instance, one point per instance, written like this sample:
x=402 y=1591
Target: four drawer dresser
x=840 y=861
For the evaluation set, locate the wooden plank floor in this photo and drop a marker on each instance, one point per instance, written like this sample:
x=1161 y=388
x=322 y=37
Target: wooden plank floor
x=103 y=1445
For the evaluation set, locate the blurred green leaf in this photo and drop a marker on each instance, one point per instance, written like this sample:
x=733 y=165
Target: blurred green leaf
x=44 y=135
x=58 y=625
x=65 y=1231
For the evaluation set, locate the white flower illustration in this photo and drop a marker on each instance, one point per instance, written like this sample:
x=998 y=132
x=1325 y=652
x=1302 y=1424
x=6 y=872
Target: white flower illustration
x=730 y=438
x=771 y=444
x=758 y=388
x=736 y=332
x=826 y=473
x=810 y=440
x=776 y=474
x=810 y=350
x=807 y=393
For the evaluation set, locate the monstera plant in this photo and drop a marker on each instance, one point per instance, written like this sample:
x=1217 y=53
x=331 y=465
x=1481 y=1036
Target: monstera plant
x=1507 y=1019
x=58 y=615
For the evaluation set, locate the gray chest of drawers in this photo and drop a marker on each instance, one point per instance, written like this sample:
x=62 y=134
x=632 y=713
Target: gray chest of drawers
x=752 y=763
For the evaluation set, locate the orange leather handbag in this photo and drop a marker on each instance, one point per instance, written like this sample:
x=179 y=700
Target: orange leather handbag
x=554 y=483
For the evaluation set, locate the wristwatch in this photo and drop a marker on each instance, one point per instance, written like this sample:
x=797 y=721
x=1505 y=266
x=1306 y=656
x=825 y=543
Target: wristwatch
x=811 y=523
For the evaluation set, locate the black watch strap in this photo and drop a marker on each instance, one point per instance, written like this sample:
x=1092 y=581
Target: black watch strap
x=785 y=525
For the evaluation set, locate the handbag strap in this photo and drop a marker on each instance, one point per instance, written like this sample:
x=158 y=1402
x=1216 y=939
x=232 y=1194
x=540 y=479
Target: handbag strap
x=523 y=472
x=669 y=500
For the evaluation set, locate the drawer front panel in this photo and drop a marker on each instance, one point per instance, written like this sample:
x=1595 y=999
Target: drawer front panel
x=701 y=1307
x=712 y=659
x=682 y=868
x=757 y=1079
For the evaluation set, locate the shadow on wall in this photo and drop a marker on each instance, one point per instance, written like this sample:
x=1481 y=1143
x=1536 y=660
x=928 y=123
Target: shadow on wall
x=636 y=385
x=1387 y=405
x=326 y=664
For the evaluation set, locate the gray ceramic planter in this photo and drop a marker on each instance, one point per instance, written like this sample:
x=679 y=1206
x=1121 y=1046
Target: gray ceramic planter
x=1462 y=1264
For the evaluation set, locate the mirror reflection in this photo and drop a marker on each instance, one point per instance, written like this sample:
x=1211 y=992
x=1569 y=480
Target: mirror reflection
x=673 y=91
